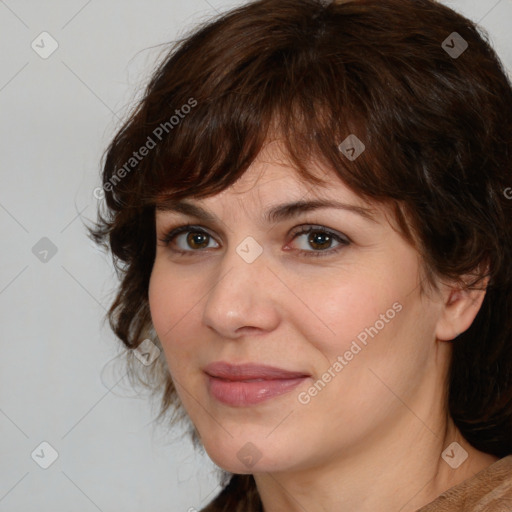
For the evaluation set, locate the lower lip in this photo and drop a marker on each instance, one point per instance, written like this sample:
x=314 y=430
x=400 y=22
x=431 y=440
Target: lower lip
x=243 y=393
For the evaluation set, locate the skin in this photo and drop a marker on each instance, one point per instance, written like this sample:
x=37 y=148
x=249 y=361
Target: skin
x=381 y=422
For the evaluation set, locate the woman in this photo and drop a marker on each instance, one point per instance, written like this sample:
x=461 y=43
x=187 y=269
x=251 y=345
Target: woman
x=309 y=213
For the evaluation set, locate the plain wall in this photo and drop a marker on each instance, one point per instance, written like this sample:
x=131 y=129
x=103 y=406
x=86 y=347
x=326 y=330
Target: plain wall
x=58 y=380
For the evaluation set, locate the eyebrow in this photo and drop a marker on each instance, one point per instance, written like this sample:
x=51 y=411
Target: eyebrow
x=277 y=213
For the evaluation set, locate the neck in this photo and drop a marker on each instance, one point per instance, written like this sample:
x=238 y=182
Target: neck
x=391 y=472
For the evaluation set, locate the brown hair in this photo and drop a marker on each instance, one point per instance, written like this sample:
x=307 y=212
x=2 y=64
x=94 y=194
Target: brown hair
x=437 y=128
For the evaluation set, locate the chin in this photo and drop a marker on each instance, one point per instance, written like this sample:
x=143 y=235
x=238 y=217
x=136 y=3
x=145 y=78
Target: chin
x=246 y=457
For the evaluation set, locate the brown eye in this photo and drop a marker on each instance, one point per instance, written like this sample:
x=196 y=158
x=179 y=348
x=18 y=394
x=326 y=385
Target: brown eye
x=320 y=240
x=187 y=239
x=197 y=239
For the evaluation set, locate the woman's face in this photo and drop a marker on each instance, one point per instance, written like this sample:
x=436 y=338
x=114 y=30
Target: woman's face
x=337 y=312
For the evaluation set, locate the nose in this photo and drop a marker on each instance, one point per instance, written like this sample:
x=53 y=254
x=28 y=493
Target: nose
x=242 y=298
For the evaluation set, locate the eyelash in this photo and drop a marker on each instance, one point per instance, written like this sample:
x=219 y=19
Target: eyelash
x=342 y=240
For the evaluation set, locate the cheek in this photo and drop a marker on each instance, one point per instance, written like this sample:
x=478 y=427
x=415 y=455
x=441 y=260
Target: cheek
x=159 y=302
x=171 y=309
x=354 y=308
x=172 y=297
x=385 y=339
x=372 y=318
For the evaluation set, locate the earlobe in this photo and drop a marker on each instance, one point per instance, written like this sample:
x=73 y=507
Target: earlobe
x=460 y=309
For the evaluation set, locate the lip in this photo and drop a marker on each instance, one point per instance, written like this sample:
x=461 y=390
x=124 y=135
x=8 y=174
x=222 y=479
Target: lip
x=248 y=371
x=249 y=384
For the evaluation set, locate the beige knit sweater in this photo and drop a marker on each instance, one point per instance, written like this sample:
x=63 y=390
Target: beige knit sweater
x=490 y=490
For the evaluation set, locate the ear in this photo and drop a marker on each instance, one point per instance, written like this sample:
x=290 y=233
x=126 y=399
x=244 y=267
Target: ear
x=460 y=308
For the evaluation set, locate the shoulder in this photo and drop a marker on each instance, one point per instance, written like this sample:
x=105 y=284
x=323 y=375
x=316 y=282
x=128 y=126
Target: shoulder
x=490 y=490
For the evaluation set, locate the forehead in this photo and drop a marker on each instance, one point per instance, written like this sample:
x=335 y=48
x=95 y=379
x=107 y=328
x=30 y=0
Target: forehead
x=273 y=177
x=272 y=190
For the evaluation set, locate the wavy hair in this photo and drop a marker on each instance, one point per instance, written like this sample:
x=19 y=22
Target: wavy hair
x=423 y=89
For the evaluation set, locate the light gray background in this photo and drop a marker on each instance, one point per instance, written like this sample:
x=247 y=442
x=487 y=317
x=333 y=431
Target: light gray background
x=59 y=381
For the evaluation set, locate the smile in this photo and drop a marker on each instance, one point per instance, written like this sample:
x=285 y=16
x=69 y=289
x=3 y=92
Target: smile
x=249 y=384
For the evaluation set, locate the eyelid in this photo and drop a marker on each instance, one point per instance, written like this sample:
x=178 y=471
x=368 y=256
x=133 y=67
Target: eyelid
x=342 y=239
x=173 y=232
x=308 y=227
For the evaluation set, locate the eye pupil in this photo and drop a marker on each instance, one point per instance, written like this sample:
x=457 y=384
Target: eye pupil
x=319 y=238
x=194 y=237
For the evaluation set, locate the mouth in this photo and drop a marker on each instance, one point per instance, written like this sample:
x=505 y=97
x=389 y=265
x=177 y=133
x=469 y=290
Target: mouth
x=249 y=384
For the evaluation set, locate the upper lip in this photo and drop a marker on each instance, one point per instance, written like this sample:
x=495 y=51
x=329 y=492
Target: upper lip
x=248 y=371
